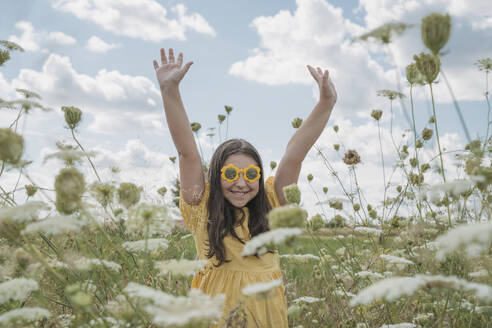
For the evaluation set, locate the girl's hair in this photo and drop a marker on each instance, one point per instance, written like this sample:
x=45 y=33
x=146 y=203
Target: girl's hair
x=222 y=218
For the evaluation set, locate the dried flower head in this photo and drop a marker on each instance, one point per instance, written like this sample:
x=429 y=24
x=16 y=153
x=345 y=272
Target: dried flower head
x=351 y=157
x=325 y=189
x=484 y=64
x=162 y=191
x=30 y=190
x=172 y=159
x=128 y=194
x=11 y=146
x=4 y=56
x=416 y=179
x=336 y=147
x=428 y=65
x=228 y=109
x=102 y=192
x=413 y=74
x=356 y=207
x=221 y=118
x=273 y=165
x=427 y=134
x=435 y=29
x=316 y=222
x=296 y=123
x=336 y=204
x=432 y=119
x=195 y=126
x=385 y=32
x=376 y=114
x=69 y=187
x=288 y=216
x=292 y=194
x=390 y=94
x=310 y=177
x=419 y=144
x=335 y=128
x=413 y=162
x=424 y=167
x=28 y=94
x=73 y=115
x=475 y=147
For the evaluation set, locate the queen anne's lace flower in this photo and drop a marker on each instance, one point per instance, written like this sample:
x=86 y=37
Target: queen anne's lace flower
x=21 y=316
x=261 y=287
x=150 y=245
x=474 y=238
x=180 y=267
x=23 y=213
x=258 y=244
x=56 y=225
x=17 y=289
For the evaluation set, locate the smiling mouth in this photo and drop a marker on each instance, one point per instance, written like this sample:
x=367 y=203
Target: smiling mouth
x=239 y=193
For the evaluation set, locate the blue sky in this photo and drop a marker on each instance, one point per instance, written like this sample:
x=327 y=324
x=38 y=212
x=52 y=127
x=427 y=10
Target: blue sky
x=250 y=55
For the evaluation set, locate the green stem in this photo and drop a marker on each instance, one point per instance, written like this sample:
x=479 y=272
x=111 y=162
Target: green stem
x=384 y=172
x=88 y=158
x=437 y=133
x=415 y=144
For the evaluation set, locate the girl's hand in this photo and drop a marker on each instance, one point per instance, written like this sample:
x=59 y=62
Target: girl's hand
x=327 y=92
x=170 y=73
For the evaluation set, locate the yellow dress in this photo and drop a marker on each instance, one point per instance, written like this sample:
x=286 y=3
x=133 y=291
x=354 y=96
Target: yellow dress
x=231 y=277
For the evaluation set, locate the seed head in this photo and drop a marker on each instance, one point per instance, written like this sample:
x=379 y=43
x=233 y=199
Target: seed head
x=30 y=190
x=376 y=114
x=316 y=222
x=351 y=157
x=11 y=45
x=4 y=56
x=195 y=126
x=128 y=194
x=416 y=179
x=399 y=188
x=336 y=204
x=475 y=146
x=484 y=64
x=296 y=123
x=11 y=146
x=172 y=159
x=28 y=94
x=419 y=144
x=228 y=109
x=325 y=189
x=310 y=177
x=432 y=119
x=427 y=134
x=436 y=29
x=162 y=191
x=428 y=65
x=288 y=216
x=413 y=74
x=221 y=118
x=373 y=214
x=292 y=194
x=73 y=115
x=69 y=187
x=102 y=192
x=336 y=147
x=413 y=162
x=390 y=94
x=424 y=167
x=385 y=32
x=335 y=128
x=356 y=207
x=273 y=165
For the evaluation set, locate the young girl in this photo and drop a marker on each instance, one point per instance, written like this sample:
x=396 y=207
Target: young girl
x=230 y=205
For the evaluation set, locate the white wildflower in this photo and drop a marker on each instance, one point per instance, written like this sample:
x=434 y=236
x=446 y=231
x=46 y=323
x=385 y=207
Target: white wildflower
x=423 y=316
x=393 y=288
x=186 y=236
x=261 y=287
x=180 y=267
x=395 y=259
x=369 y=274
x=85 y=264
x=361 y=325
x=372 y=231
x=168 y=310
x=59 y=224
x=276 y=236
x=340 y=251
x=149 y=219
x=401 y=325
x=151 y=245
x=455 y=187
x=23 y=213
x=307 y=299
x=474 y=238
x=70 y=155
x=300 y=257
x=341 y=292
x=478 y=274
x=17 y=289
x=24 y=315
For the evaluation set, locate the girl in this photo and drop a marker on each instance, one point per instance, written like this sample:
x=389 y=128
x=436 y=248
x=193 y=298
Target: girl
x=230 y=206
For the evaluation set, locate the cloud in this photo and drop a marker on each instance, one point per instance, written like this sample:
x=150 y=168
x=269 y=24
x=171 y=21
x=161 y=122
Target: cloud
x=109 y=96
x=95 y=44
x=140 y=19
x=32 y=40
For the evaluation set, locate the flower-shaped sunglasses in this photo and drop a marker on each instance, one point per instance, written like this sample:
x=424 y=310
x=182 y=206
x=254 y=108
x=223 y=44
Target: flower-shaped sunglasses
x=230 y=173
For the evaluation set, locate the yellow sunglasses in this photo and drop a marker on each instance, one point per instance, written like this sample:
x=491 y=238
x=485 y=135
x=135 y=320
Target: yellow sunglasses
x=230 y=173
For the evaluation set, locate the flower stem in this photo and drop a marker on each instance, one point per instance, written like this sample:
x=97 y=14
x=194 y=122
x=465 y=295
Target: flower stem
x=88 y=158
x=384 y=172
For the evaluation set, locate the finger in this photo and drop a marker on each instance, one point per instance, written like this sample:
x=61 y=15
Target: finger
x=180 y=59
x=156 y=66
x=313 y=73
x=187 y=67
x=171 y=55
x=163 y=56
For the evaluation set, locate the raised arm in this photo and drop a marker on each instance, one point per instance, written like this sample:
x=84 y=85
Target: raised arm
x=169 y=75
x=307 y=134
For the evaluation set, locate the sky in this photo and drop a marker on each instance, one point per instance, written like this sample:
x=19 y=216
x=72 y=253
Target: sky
x=250 y=55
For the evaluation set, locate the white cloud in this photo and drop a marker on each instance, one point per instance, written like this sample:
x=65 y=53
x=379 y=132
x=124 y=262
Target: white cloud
x=32 y=40
x=109 y=96
x=95 y=44
x=141 y=19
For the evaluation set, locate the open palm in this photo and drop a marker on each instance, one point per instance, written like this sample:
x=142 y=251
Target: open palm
x=170 y=73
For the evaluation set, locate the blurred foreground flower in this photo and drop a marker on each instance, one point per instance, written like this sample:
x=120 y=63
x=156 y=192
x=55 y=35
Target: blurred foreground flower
x=17 y=289
x=11 y=146
x=150 y=245
x=73 y=115
x=56 y=225
x=391 y=289
x=261 y=290
x=149 y=220
x=128 y=194
x=292 y=194
x=26 y=212
x=435 y=29
x=69 y=154
x=428 y=65
x=23 y=316
x=181 y=267
x=376 y=114
x=288 y=216
x=69 y=187
x=196 y=310
x=259 y=243
x=474 y=238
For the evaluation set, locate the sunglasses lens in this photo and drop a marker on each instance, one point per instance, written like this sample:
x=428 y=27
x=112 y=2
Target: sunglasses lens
x=230 y=173
x=251 y=174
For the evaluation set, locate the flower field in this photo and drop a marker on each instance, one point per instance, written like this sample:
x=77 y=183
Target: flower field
x=93 y=253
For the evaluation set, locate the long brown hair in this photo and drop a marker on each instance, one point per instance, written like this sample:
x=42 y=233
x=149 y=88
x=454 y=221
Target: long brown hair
x=222 y=218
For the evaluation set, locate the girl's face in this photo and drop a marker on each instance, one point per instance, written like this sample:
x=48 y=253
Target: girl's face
x=241 y=191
